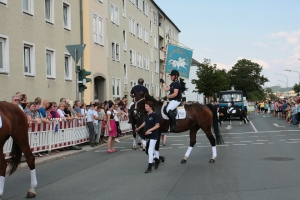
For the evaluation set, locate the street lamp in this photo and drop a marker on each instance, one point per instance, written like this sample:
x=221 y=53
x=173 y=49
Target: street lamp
x=285 y=85
x=288 y=70
x=287 y=80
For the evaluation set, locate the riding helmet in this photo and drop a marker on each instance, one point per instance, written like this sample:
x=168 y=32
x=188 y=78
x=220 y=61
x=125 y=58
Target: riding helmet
x=174 y=72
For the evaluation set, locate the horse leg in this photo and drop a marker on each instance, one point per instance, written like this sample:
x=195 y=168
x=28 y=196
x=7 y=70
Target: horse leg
x=3 y=166
x=23 y=144
x=193 y=132
x=133 y=134
x=211 y=138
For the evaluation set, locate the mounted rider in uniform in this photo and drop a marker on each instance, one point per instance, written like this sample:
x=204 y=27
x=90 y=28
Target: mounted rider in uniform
x=174 y=97
x=137 y=93
x=230 y=106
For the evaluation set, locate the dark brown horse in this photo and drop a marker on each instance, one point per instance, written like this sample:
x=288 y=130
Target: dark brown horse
x=197 y=116
x=15 y=125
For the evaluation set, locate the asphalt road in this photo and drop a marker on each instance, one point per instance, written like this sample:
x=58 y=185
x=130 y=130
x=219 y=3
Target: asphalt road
x=259 y=160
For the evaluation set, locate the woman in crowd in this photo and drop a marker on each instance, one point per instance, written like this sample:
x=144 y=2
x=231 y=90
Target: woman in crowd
x=53 y=111
x=151 y=124
x=112 y=128
x=61 y=111
x=83 y=109
x=101 y=114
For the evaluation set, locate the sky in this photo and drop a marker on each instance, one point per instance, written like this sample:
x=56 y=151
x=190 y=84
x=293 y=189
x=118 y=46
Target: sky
x=264 y=31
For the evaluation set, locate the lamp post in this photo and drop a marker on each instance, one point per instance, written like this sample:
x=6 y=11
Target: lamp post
x=288 y=70
x=285 y=85
x=287 y=80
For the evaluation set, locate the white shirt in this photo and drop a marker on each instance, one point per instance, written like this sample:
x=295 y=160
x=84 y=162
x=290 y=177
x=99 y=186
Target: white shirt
x=83 y=111
x=95 y=113
x=61 y=113
x=89 y=115
x=116 y=117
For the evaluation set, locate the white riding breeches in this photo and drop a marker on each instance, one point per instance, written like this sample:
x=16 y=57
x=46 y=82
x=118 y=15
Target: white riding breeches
x=172 y=105
x=230 y=109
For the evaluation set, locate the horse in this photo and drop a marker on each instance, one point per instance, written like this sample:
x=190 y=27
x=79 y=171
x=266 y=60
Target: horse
x=197 y=116
x=15 y=125
x=237 y=113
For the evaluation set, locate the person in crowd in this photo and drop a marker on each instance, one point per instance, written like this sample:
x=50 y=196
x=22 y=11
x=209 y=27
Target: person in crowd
x=104 y=129
x=262 y=107
x=280 y=107
x=61 y=112
x=83 y=109
x=112 y=128
x=78 y=111
x=117 y=120
x=151 y=125
x=43 y=108
x=96 y=124
x=32 y=115
x=266 y=107
x=24 y=101
x=288 y=118
x=53 y=110
x=62 y=100
x=48 y=109
x=42 y=117
x=294 y=113
x=19 y=96
x=90 y=124
x=256 y=107
x=174 y=97
x=272 y=109
x=101 y=114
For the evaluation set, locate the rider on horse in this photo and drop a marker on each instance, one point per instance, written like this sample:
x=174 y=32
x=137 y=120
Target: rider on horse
x=174 y=97
x=136 y=93
x=230 y=106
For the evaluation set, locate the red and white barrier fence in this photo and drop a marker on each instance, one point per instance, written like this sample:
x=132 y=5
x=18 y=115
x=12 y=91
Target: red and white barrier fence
x=58 y=134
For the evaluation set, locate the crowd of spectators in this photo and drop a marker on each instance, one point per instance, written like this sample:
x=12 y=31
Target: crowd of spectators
x=99 y=115
x=287 y=109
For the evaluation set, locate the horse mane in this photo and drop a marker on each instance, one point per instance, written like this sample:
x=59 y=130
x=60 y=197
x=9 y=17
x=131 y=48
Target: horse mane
x=151 y=98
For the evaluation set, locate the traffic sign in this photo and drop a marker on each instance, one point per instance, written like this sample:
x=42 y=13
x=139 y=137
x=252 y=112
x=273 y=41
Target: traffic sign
x=76 y=51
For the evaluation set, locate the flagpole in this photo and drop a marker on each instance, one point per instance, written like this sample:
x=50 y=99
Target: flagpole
x=164 y=64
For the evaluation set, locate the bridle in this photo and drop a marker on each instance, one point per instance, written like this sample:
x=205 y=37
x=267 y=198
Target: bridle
x=137 y=113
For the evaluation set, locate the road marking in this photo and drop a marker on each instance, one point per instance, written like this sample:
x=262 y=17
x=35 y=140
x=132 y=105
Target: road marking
x=237 y=137
x=126 y=150
x=184 y=147
x=282 y=140
x=203 y=146
x=253 y=136
x=176 y=140
x=239 y=144
x=253 y=126
x=228 y=142
x=177 y=144
x=223 y=145
x=294 y=139
x=295 y=134
x=280 y=135
x=246 y=141
x=262 y=140
x=177 y=136
x=293 y=142
x=166 y=148
x=258 y=143
x=119 y=147
x=278 y=125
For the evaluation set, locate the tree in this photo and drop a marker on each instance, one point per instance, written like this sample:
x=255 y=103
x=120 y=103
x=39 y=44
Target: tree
x=210 y=79
x=269 y=93
x=245 y=75
x=296 y=88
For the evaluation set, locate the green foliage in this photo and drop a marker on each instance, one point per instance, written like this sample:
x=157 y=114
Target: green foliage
x=296 y=88
x=269 y=93
x=245 y=75
x=210 y=79
x=256 y=95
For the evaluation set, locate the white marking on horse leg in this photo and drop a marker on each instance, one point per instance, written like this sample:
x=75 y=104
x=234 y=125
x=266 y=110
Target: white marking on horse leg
x=134 y=142
x=2 y=180
x=187 y=154
x=156 y=154
x=32 y=190
x=33 y=178
x=214 y=152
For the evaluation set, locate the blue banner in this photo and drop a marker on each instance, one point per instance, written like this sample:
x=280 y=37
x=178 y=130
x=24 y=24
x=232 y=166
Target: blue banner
x=180 y=59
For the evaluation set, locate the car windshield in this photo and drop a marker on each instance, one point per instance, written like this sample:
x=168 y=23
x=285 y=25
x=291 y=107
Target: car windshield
x=226 y=98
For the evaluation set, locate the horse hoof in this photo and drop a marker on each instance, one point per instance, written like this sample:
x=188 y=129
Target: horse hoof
x=30 y=195
x=212 y=161
x=183 y=161
x=162 y=159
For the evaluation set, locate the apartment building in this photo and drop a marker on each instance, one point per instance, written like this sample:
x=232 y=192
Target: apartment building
x=33 y=56
x=94 y=14
x=136 y=30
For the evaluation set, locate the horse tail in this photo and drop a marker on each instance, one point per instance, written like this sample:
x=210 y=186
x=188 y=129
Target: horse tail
x=15 y=158
x=219 y=139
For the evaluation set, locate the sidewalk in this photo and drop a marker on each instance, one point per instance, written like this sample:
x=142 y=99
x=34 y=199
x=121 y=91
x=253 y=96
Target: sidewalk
x=67 y=153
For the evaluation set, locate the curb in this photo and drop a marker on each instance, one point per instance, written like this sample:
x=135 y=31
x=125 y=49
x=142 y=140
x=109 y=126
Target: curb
x=63 y=155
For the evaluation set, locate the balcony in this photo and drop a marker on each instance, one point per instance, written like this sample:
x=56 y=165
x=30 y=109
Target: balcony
x=161 y=32
x=161 y=55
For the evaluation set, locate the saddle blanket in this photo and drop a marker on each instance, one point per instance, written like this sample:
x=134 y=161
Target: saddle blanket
x=181 y=113
x=0 y=121
x=233 y=111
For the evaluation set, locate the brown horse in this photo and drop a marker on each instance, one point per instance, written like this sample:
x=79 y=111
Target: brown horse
x=197 y=116
x=15 y=125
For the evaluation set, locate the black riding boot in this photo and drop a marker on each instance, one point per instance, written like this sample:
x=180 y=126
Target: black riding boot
x=149 y=169
x=172 y=119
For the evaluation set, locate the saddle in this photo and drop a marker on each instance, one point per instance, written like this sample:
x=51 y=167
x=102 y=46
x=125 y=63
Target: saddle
x=179 y=112
x=233 y=111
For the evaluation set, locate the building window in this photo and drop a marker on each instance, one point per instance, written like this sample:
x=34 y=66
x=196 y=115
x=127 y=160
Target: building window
x=132 y=84
x=50 y=63
x=4 y=54
x=115 y=51
x=139 y=4
x=151 y=53
x=114 y=14
x=138 y=30
x=98 y=29
x=155 y=41
x=155 y=18
x=124 y=7
x=150 y=28
x=125 y=73
x=116 y=87
x=101 y=1
x=28 y=6
x=146 y=39
x=145 y=7
x=49 y=11
x=68 y=67
x=67 y=16
x=29 y=59
x=132 y=1
x=124 y=40
x=140 y=60
x=147 y=63
x=156 y=66
x=156 y=91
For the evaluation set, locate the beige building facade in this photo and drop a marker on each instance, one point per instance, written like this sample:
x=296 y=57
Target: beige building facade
x=33 y=56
